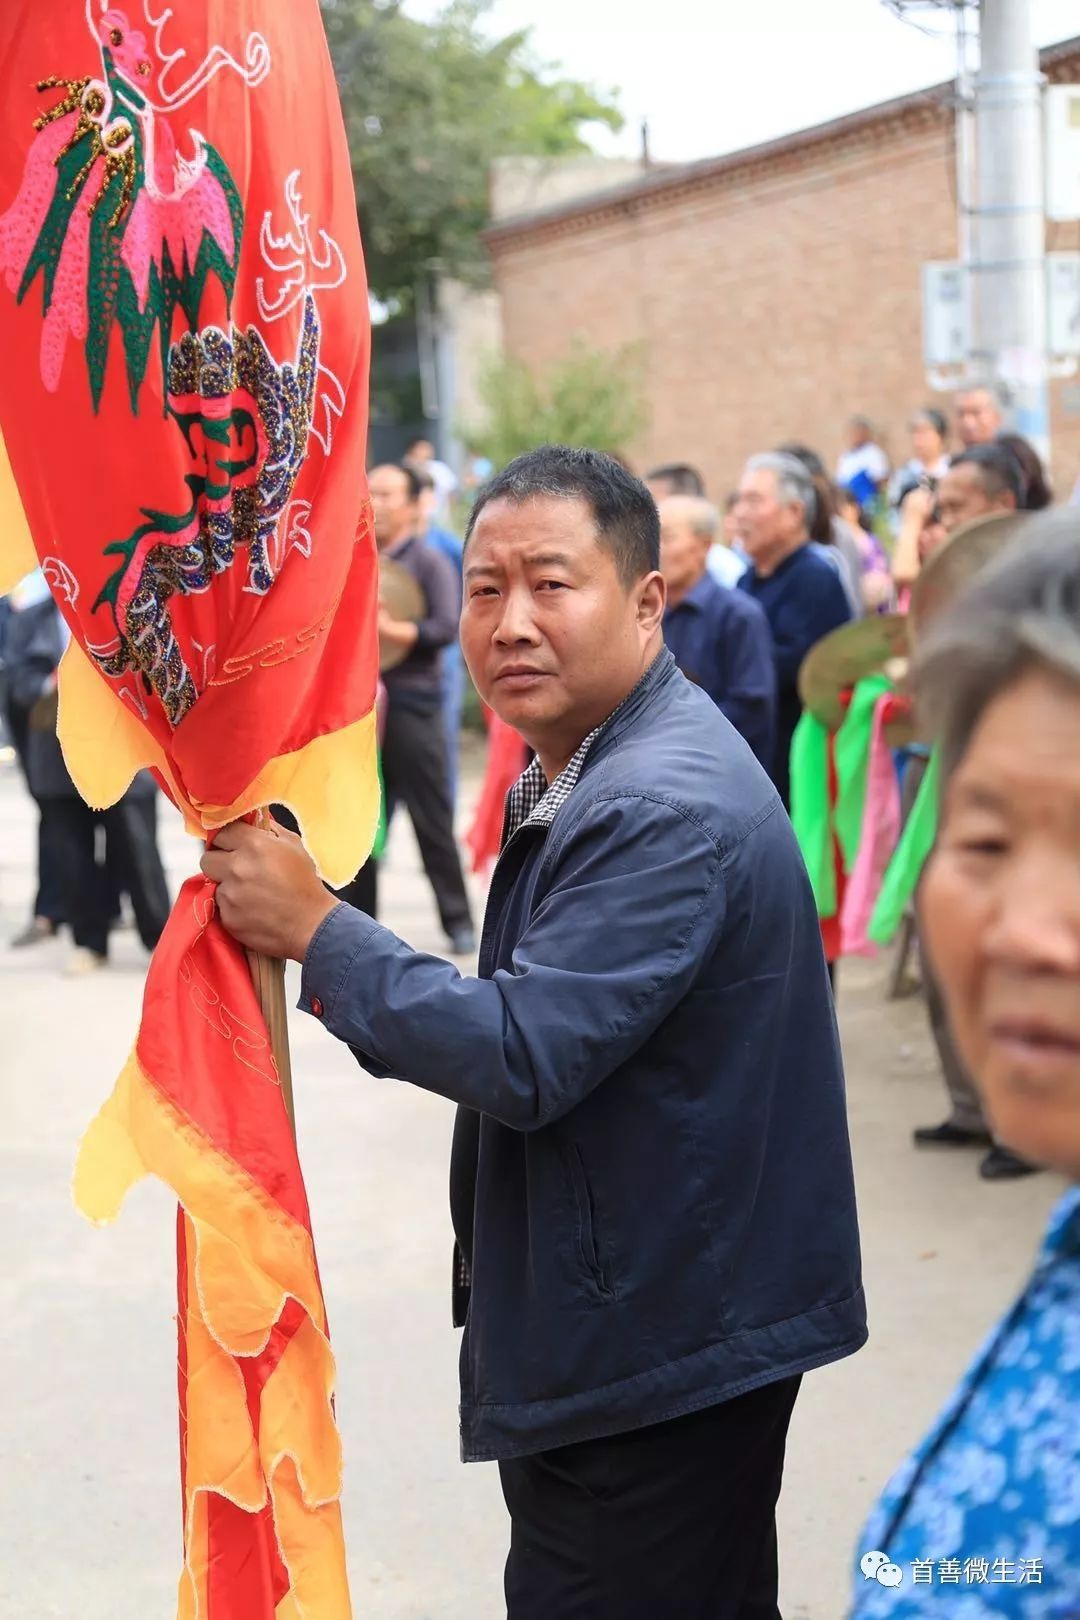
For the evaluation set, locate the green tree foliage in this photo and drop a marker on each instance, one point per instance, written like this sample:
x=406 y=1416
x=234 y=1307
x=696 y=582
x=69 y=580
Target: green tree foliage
x=591 y=398
x=428 y=108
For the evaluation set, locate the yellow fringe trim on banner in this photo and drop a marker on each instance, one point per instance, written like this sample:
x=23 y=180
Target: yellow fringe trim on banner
x=296 y=1458
x=247 y=1242
x=17 y=555
x=331 y=784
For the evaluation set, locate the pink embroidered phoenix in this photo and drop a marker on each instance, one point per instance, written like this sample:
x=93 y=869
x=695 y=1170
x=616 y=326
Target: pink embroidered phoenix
x=122 y=229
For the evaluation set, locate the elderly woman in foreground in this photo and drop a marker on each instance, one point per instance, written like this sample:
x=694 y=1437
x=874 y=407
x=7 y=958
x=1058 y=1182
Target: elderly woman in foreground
x=984 y=1519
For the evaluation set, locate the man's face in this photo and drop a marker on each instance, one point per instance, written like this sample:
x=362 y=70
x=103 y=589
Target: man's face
x=553 y=638
x=978 y=417
x=962 y=498
x=768 y=527
x=683 y=551
x=396 y=513
x=858 y=434
x=421 y=453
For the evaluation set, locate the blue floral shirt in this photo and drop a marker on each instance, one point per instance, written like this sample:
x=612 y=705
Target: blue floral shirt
x=983 y=1520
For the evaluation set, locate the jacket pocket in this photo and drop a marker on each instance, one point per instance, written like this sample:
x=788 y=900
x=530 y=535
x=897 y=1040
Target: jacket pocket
x=590 y=1251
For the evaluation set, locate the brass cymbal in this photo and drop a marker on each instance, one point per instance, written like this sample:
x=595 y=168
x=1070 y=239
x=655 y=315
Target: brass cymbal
x=954 y=565
x=403 y=599
x=862 y=648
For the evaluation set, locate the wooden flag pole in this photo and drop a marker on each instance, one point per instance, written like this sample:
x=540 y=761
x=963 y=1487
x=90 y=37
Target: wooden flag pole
x=268 y=977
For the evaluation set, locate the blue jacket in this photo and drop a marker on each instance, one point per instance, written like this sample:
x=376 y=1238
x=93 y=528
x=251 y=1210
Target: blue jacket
x=664 y=1209
x=721 y=641
x=804 y=599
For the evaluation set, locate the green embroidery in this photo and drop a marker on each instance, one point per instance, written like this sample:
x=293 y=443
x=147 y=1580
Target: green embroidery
x=112 y=298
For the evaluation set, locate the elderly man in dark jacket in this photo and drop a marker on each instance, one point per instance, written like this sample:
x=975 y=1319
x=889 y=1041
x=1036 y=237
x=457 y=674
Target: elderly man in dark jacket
x=653 y=1191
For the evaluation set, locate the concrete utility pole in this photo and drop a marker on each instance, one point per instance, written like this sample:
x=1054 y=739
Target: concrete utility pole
x=1009 y=261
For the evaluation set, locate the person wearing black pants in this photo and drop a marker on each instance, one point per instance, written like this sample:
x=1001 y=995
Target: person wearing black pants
x=640 y=1524
x=48 y=913
x=30 y=640
x=415 y=767
x=131 y=831
x=361 y=891
x=416 y=773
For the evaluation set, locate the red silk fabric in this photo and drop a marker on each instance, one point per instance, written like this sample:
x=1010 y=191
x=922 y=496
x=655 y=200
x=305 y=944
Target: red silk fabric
x=183 y=402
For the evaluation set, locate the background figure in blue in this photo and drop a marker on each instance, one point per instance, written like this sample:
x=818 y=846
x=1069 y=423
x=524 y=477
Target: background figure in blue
x=453 y=670
x=719 y=637
x=864 y=467
x=802 y=594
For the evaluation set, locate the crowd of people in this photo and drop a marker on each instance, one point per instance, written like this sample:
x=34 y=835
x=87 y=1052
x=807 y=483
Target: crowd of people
x=753 y=583
x=646 y=1271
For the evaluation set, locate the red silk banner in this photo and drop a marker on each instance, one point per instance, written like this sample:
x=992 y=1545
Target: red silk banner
x=183 y=420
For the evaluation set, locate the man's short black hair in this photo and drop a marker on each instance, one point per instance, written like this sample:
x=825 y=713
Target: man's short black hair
x=416 y=479
x=627 y=521
x=998 y=468
x=684 y=479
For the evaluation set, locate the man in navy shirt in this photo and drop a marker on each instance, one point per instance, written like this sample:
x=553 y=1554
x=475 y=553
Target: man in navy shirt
x=719 y=638
x=803 y=596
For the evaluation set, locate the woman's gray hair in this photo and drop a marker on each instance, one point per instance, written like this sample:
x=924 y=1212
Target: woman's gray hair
x=793 y=481
x=1021 y=613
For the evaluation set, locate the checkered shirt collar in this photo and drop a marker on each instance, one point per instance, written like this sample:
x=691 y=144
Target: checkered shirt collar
x=531 y=802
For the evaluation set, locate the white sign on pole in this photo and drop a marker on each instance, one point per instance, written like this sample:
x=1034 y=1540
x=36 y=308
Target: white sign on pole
x=1063 y=151
x=946 y=310
x=946 y=319
x=1063 y=303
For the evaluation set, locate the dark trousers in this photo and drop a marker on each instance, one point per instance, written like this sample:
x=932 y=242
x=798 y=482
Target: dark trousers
x=672 y=1522
x=49 y=901
x=415 y=773
x=362 y=891
x=131 y=831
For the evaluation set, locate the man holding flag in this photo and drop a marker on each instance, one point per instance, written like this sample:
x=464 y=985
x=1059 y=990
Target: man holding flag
x=651 y=1188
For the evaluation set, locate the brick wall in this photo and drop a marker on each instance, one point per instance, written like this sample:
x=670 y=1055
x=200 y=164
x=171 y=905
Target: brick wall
x=773 y=294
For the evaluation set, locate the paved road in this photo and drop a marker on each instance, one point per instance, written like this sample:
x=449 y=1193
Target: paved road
x=89 y=1520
